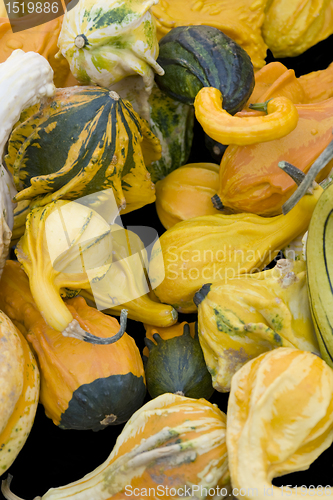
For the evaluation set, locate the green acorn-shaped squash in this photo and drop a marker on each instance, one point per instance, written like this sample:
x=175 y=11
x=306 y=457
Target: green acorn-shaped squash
x=177 y=365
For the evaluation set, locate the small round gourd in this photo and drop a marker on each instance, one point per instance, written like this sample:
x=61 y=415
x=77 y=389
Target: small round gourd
x=177 y=365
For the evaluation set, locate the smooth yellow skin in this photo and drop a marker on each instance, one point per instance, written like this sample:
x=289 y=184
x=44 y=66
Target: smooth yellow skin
x=281 y=119
x=61 y=244
x=279 y=420
x=209 y=248
x=242 y=317
x=186 y=193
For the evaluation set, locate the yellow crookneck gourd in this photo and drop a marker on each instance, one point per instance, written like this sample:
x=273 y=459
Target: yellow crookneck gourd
x=125 y=283
x=242 y=317
x=207 y=249
x=279 y=420
x=210 y=248
x=68 y=247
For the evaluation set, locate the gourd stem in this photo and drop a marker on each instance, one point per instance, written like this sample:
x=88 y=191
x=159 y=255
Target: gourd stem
x=295 y=173
x=260 y=106
x=317 y=166
x=5 y=490
x=74 y=330
x=217 y=202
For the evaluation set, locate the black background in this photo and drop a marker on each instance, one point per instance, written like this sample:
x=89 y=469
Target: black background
x=53 y=457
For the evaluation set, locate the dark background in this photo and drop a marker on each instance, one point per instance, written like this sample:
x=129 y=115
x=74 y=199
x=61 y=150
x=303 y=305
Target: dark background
x=52 y=457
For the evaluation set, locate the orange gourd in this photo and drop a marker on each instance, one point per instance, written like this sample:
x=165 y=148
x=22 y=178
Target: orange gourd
x=186 y=192
x=83 y=386
x=42 y=39
x=275 y=79
x=250 y=179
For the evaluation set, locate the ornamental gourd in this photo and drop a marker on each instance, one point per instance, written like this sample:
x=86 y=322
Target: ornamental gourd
x=74 y=397
x=280 y=119
x=171 y=121
x=82 y=141
x=279 y=420
x=319 y=268
x=291 y=28
x=206 y=249
x=25 y=79
x=240 y=20
x=175 y=362
x=108 y=40
x=124 y=284
x=240 y=318
x=179 y=439
x=194 y=57
x=267 y=188
x=19 y=391
x=62 y=243
x=68 y=247
x=186 y=193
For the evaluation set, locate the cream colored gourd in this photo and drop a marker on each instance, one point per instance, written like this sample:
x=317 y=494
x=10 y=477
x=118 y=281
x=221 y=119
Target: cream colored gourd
x=279 y=420
x=240 y=318
x=25 y=77
x=19 y=391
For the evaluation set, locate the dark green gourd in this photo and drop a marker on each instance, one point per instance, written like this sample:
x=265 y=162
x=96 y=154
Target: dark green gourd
x=177 y=365
x=202 y=56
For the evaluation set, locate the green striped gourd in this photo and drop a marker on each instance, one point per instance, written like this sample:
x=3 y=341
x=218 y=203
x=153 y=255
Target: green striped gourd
x=202 y=56
x=84 y=140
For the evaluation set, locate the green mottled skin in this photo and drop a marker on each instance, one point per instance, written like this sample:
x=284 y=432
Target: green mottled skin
x=172 y=122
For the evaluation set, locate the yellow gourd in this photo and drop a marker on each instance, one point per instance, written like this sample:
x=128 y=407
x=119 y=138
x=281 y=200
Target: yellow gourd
x=209 y=248
x=240 y=318
x=279 y=420
x=290 y=28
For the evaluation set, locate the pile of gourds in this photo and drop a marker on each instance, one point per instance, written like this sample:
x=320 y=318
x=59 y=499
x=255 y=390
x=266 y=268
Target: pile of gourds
x=98 y=115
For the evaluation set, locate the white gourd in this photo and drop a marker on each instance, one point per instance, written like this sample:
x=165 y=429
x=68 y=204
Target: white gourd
x=25 y=78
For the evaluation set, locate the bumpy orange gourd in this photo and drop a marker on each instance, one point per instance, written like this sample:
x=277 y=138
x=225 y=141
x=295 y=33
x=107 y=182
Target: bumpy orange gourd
x=42 y=39
x=250 y=179
x=186 y=192
x=275 y=79
x=19 y=391
x=83 y=386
